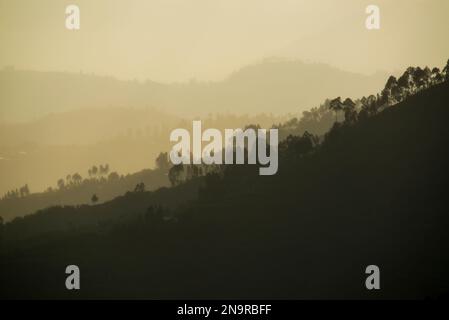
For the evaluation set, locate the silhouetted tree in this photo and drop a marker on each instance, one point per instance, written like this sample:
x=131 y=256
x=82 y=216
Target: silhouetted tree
x=295 y=147
x=61 y=184
x=446 y=71
x=162 y=161
x=174 y=175
x=76 y=178
x=113 y=176
x=24 y=191
x=390 y=92
x=349 y=110
x=140 y=187
x=406 y=83
x=103 y=170
x=94 y=199
x=369 y=107
x=336 y=105
x=436 y=76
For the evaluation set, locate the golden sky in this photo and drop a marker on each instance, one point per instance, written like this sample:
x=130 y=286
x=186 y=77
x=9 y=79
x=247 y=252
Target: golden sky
x=177 y=40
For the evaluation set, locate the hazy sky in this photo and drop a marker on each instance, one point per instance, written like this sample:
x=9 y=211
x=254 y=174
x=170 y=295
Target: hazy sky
x=176 y=40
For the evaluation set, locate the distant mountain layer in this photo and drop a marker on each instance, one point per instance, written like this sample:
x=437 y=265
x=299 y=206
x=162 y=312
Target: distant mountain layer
x=269 y=87
x=40 y=152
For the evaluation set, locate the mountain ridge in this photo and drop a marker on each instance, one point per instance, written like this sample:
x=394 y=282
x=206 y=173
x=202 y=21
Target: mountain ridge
x=31 y=94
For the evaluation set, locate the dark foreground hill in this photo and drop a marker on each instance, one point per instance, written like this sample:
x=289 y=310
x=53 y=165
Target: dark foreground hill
x=372 y=193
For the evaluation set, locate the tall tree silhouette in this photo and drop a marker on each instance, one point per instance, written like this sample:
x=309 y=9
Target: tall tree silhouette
x=349 y=110
x=336 y=105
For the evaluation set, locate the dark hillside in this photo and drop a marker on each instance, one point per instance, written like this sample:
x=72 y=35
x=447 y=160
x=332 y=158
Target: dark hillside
x=373 y=193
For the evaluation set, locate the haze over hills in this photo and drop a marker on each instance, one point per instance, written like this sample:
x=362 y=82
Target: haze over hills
x=373 y=190
x=55 y=123
x=138 y=136
x=88 y=100
x=272 y=86
x=40 y=152
x=86 y=126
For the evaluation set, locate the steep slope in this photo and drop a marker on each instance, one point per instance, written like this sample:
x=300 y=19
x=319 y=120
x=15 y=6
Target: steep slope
x=373 y=193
